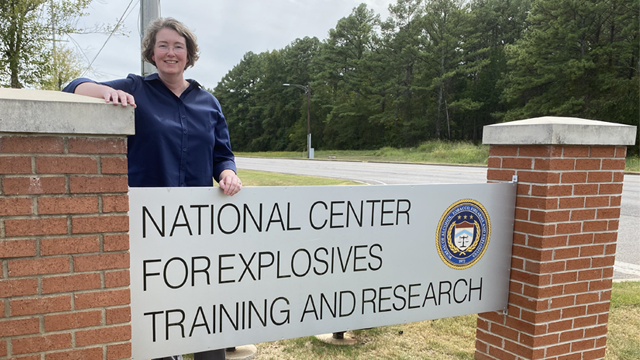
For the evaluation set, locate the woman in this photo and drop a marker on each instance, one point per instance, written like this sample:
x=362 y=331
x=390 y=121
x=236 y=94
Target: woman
x=181 y=136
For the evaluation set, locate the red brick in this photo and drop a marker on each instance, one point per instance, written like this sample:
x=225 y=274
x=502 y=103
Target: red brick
x=578 y=264
x=562 y=301
x=588 y=164
x=119 y=351
x=533 y=279
x=585 y=321
x=575 y=311
x=101 y=262
x=114 y=165
x=118 y=315
x=618 y=176
x=523 y=189
x=594 y=226
x=545 y=267
x=15 y=206
x=558 y=350
x=531 y=318
x=605 y=261
x=42 y=305
x=615 y=201
x=603 y=151
x=613 y=164
x=574 y=177
x=516 y=163
x=34 y=185
x=18 y=287
x=16 y=327
x=3 y=348
x=560 y=326
x=555 y=164
x=587 y=299
x=592 y=250
x=576 y=288
x=597 y=201
x=551 y=190
x=588 y=214
x=503 y=150
x=572 y=335
x=489 y=338
x=67 y=283
x=17 y=248
x=116 y=278
x=621 y=151
x=533 y=228
x=585 y=189
x=27 y=227
x=103 y=335
x=549 y=216
x=535 y=150
x=68 y=205
x=41 y=343
x=99 y=224
x=39 y=266
x=538 y=177
x=580 y=239
x=600 y=285
x=524 y=302
x=494 y=162
x=613 y=225
x=531 y=253
x=605 y=237
x=66 y=165
x=504 y=175
x=582 y=345
x=536 y=203
x=568 y=228
x=74 y=245
x=610 y=213
x=102 y=299
x=78 y=354
x=118 y=203
x=576 y=151
x=15 y=165
x=566 y=253
x=543 y=292
x=593 y=354
x=564 y=277
x=547 y=242
x=610 y=249
x=614 y=189
x=116 y=242
x=590 y=274
x=600 y=176
x=572 y=202
x=89 y=145
x=74 y=320
x=522 y=214
x=31 y=144
x=98 y=184
x=598 y=308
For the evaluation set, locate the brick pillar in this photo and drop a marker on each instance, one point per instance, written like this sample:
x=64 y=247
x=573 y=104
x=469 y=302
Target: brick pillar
x=570 y=174
x=64 y=246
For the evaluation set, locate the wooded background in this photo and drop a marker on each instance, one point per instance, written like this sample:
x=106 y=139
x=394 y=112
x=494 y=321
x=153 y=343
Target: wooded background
x=438 y=69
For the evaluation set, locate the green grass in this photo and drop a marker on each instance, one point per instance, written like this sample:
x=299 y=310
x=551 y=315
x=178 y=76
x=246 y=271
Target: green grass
x=623 y=337
x=261 y=178
x=430 y=152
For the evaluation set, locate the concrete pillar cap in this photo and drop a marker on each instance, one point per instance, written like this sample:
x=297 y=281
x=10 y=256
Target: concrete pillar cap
x=552 y=130
x=55 y=112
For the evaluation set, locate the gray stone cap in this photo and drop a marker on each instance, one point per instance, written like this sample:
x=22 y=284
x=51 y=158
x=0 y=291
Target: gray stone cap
x=55 y=112
x=552 y=130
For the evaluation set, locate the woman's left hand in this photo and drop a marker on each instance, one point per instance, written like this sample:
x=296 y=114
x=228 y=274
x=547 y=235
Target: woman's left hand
x=230 y=182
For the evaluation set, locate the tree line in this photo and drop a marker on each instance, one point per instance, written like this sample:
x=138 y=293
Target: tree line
x=438 y=69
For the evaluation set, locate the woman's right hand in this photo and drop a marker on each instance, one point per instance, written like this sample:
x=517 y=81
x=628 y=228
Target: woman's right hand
x=109 y=94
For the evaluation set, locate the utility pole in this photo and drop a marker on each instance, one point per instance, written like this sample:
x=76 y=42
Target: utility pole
x=149 y=11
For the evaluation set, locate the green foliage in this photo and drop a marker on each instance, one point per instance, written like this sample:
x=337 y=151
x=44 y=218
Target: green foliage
x=438 y=69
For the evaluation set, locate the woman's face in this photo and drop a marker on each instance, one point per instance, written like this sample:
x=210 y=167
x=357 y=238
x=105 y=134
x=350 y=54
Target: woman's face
x=170 y=52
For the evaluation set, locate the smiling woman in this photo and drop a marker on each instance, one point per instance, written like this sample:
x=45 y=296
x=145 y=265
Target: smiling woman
x=181 y=137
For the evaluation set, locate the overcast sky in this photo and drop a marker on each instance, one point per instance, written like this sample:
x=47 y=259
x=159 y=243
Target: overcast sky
x=226 y=30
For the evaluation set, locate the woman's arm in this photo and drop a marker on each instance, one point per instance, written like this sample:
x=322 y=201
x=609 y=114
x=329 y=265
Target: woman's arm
x=230 y=182
x=107 y=93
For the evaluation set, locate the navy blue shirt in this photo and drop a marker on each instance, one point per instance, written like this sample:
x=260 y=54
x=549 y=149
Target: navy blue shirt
x=179 y=141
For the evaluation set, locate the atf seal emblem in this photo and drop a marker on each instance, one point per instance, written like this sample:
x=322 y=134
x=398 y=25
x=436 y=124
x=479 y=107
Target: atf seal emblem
x=463 y=234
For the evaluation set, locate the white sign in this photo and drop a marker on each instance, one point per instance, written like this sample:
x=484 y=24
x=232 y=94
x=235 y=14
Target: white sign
x=210 y=271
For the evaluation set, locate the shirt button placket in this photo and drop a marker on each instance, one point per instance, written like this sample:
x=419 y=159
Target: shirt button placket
x=183 y=158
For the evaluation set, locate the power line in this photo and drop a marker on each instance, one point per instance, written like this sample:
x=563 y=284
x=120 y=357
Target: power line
x=106 y=41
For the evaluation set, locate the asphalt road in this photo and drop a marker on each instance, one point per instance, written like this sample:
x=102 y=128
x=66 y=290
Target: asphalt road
x=627 y=264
